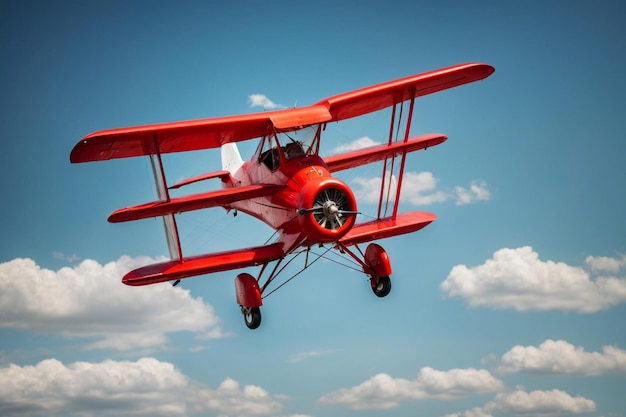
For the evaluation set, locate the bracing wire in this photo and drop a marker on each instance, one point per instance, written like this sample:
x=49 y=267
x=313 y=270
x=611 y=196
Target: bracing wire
x=296 y=274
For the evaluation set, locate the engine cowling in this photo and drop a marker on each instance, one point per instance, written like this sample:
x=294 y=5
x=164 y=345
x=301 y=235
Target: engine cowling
x=327 y=209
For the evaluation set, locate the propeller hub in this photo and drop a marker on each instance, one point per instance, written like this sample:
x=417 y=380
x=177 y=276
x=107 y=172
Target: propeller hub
x=330 y=209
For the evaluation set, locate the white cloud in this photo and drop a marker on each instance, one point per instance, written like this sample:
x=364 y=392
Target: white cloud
x=383 y=391
x=477 y=192
x=147 y=387
x=518 y=279
x=562 y=358
x=230 y=399
x=535 y=403
x=64 y=257
x=419 y=189
x=299 y=357
x=540 y=403
x=89 y=301
x=474 y=412
x=605 y=264
x=367 y=190
x=260 y=100
x=360 y=143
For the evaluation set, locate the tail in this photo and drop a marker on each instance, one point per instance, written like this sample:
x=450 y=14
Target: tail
x=231 y=159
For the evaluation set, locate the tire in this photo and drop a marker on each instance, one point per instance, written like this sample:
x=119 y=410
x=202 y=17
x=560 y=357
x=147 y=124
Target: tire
x=381 y=286
x=252 y=317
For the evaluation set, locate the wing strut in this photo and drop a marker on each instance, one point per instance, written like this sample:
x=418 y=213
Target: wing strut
x=169 y=221
x=384 y=193
x=389 y=164
x=403 y=160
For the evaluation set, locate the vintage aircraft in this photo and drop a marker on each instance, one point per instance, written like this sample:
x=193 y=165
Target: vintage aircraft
x=285 y=184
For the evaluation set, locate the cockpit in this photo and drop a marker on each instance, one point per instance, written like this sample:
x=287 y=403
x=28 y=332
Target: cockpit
x=284 y=146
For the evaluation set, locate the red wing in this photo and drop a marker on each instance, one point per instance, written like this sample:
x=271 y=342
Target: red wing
x=193 y=202
x=204 y=264
x=388 y=227
x=380 y=96
x=223 y=175
x=378 y=153
x=190 y=135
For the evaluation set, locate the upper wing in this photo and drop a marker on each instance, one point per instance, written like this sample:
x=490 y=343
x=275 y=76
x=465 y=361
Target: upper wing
x=380 y=96
x=214 y=132
x=190 y=135
x=378 y=153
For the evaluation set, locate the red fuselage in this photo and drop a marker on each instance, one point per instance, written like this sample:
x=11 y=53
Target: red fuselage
x=308 y=210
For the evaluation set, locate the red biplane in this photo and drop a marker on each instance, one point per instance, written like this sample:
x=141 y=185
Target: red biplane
x=285 y=184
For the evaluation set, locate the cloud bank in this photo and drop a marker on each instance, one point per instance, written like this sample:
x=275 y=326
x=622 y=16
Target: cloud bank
x=89 y=301
x=558 y=357
x=146 y=387
x=550 y=403
x=517 y=279
x=384 y=392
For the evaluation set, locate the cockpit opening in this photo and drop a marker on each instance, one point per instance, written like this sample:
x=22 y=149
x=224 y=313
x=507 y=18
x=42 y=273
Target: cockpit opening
x=284 y=146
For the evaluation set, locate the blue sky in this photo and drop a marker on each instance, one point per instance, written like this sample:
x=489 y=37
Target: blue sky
x=512 y=303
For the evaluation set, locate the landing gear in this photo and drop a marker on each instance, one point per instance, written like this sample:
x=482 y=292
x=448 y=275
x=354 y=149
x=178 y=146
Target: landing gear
x=249 y=298
x=251 y=316
x=381 y=286
x=377 y=261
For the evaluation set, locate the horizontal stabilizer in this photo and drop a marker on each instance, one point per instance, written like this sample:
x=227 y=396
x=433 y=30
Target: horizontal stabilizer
x=388 y=227
x=378 y=153
x=217 y=198
x=204 y=264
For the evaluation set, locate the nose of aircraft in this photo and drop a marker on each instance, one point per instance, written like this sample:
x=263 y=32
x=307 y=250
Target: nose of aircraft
x=327 y=209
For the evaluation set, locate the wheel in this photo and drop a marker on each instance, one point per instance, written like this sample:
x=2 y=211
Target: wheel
x=381 y=286
x=252 y=316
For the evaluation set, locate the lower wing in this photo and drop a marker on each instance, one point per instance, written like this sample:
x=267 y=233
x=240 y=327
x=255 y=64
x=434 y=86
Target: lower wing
x=388 y=227
x=204 y=264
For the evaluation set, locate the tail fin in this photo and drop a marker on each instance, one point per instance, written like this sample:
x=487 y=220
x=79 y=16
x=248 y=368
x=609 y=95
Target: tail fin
x=231 y=159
